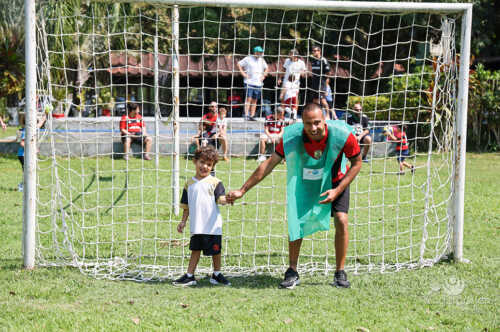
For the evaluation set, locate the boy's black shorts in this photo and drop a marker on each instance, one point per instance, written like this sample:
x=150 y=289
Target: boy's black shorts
x=341 y=203
x=210 y=244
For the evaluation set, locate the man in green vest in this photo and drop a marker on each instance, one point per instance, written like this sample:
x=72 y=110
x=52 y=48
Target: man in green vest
x=318 y=178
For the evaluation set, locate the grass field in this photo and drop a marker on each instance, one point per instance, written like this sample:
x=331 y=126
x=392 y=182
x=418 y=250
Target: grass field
x=447 y=296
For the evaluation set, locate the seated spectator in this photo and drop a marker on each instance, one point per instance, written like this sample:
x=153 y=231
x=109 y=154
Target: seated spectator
x=235 y=103
x=360 y=123
x=207 y=128
x=222 y=130
x=133 y=129
x=273 y=131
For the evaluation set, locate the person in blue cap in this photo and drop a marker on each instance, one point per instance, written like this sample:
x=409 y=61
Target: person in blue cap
x=254 y=70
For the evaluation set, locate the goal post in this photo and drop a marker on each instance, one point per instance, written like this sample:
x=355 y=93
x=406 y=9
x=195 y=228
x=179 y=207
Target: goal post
x=116 y=218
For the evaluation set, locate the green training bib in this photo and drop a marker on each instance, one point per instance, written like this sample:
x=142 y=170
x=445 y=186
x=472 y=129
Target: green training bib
x=308 y=177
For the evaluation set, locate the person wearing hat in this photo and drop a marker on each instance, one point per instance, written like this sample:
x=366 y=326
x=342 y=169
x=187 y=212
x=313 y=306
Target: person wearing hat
x=254 y=70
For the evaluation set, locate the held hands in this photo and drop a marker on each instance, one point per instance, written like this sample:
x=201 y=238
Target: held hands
x=330 y=194
x=181 y=226
x=233 y=196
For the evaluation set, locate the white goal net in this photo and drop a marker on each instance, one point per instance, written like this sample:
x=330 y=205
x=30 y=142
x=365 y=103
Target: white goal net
x=115 y=217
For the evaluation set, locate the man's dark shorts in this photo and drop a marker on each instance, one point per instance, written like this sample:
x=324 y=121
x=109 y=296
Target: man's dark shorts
x=316 y=90
x=341 y=203
x=402 y=155
x=135 y=138
x=210 y=244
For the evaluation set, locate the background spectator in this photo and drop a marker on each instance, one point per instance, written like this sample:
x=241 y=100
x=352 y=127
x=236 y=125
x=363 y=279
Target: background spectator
x=360 y=123
x=317 y=84
x=133 y=129
x=222 y=130
x=273 y=131
x=254 y=69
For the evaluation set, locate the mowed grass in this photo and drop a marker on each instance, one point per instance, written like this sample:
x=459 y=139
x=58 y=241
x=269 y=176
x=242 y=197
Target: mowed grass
x=105 y=220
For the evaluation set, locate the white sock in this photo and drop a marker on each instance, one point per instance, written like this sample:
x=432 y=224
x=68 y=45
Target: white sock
x=189 y=275
x=216 y=273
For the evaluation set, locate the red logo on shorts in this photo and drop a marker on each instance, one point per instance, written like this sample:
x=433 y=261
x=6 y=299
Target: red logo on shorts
x=216 y=247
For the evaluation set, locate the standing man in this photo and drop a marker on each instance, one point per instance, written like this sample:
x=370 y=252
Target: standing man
x=254 y=69
x=317 y=184
x=360 y=123
x=133 y=129
x=317 y=84
x=294 y=66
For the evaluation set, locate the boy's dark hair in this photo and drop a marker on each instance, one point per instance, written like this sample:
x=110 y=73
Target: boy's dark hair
x=132 y=106
x=207 y=153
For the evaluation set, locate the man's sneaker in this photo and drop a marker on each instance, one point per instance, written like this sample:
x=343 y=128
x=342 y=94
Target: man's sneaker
x=291 y=279
x=126 y=157
x=219 y=280
x=185 y=281
x=261 y=158
x=340 y=280
x=366 y=160
x=251 y=118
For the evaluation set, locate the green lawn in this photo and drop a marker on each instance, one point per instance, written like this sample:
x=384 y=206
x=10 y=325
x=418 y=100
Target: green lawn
x=386 y=228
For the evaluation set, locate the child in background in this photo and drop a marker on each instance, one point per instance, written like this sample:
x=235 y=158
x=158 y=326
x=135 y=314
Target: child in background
x=221 y=129
x=289 y=95
x=398 y=136
x=21 y=135
x=199 y=201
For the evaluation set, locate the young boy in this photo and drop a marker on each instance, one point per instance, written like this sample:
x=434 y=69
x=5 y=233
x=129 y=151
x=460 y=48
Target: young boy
x=199 y=201
x=289 y=95
x=398 y=136
x=221 y=130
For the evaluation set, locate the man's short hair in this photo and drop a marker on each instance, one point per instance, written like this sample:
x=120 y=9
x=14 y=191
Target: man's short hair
x=294 y=52
x=316 y=47
x=207 y=153
x=311 y=107
x=132 y=106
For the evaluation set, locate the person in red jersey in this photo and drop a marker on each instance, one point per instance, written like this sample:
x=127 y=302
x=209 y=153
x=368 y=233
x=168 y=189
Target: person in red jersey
x=318 y=179
x=207 y=129
x=133 y=129
x=273 y=131
x=398 y=136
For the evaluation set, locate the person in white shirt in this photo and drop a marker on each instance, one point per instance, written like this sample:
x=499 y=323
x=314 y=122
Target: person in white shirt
x=293 y=66
x=222 y=130
x=289 y=96
x=254 y=69
x=200 y=198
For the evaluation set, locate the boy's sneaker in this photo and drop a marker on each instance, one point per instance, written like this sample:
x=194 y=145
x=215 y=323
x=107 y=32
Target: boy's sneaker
x=219 y=280
x=340 y=280
x=185 y=281
x=291 y=279
x=261 y=159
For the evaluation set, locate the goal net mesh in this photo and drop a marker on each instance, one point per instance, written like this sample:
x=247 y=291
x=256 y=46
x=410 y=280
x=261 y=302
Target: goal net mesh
x=117 y=218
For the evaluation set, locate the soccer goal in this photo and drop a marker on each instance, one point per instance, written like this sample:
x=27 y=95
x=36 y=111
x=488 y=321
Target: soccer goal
x=114 y=215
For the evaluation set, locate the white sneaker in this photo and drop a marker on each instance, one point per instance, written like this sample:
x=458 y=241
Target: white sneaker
x=261 y=158
x=20 y=187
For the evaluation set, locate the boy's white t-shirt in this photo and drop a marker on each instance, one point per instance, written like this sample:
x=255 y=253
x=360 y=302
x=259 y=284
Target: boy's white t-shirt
x=293 y=67
x=221 y=124
x=291 y=89
x=254 y=67
x=201 y=197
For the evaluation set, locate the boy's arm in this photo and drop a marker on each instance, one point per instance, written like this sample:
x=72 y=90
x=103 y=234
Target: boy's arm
x=182 y=224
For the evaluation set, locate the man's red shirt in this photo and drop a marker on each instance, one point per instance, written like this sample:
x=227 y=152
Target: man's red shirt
x=132 y=125
x=351 y=149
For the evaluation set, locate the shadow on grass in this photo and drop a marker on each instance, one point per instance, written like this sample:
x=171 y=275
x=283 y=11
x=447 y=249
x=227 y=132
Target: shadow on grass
x=11 y=264
x=251 y=282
